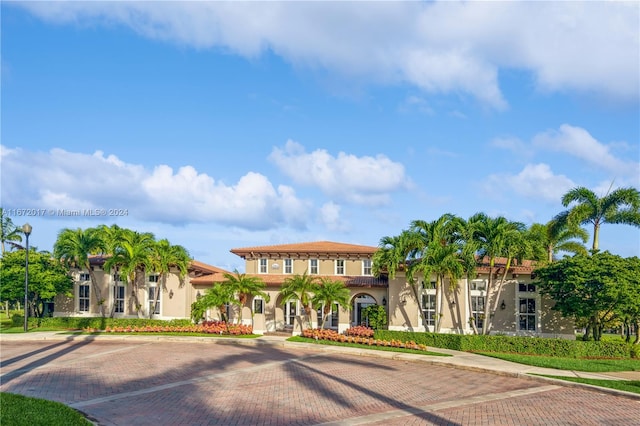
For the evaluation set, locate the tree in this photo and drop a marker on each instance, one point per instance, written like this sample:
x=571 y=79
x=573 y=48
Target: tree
x=621 y=206
x=9 y=233
x=299 y=287
x=111 y=236
x=327 y=293
x=244 y=286
x=376 y=316
x=394 y=254
x=165 y=256
x=218 y=297
x=73 y=248
x=547 y=240
x=133 y=258
x=47 y=279
x=593 y=288
x=463 y=231
x=496 y=237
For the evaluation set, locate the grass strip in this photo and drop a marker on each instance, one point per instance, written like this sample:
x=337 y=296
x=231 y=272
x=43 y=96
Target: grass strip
x=572 y=364
x=623 y=385
x=19 y=410
x=361 y=346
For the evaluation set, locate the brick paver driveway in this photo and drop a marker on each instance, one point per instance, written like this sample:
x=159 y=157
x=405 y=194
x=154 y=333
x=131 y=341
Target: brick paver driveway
x=191 y=383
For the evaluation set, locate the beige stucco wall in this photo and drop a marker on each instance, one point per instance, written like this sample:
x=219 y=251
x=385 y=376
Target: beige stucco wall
x=353 y=267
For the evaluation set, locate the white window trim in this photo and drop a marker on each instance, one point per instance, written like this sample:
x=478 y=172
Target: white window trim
x=124 y=298
x=253 y=303
x=284 y=267
x=344 y=267
x=266 y=265
x=364 y=268
x=152 y=299
x=538 y=301
x=83 y=284
x=317 y=267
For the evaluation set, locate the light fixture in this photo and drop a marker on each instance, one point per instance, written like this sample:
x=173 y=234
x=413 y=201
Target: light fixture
x=404 y=301
x=453 y=303
x=171 y=294
x=198 y=295
x=503 y=306
x=26 y=228
x=384 y=301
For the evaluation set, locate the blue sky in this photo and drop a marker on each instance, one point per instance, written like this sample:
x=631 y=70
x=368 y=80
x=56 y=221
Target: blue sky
x=221 y=125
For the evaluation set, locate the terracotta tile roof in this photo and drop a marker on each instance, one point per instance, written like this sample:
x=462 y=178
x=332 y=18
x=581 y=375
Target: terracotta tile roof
x=525 y=267
x=309 y=248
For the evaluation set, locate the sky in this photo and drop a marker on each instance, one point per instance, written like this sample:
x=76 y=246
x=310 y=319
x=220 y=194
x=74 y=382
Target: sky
x=221 y=125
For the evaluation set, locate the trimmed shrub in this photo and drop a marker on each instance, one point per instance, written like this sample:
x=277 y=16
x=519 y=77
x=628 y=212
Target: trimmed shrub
x=99 y=323
x=515 y=344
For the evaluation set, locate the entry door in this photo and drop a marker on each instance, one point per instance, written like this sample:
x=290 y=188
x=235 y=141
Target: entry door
x=290 y=312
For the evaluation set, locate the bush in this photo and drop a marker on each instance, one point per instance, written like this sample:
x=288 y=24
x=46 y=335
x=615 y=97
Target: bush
x=360 y=331
x=516 y=344
x=99 y=323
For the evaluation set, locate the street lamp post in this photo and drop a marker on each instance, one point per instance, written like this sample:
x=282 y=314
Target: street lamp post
x=26 y=228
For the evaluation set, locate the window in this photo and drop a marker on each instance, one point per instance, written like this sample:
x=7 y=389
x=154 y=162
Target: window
x=290 y=312
x=152 y=299
x=429 y=308
x=119 y=299
x=429 y=286
x=153 y=278
x=313 y=266
x=262 y=268
x=340 y=267
x=288 y=266
x=527 y=314
x=480 y=285
x=524 y=287
x=332 y=318
x=477 y=310
x=84 y=276
x=258 y=306
x=117 y=278
x=83 y=297
x=366 y=267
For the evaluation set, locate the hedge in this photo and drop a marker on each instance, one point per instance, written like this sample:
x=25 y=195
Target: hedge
x=516 y=344
x=79 y=323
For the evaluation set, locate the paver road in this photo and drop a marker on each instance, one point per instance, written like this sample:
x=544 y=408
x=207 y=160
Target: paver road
x=193 y=383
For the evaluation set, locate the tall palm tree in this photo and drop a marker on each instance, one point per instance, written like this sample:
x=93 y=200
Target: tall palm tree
x=299 y=287
x=554 y=237
x=436 y=251
x=111 y=236
x=165 y=256
x=463 y=231
x=8 y=232
x=133 y=259
x=496 y=237
x=73 y=248
x=394 y=254
x=621 y=206
x=244 y=287
x=329 y=292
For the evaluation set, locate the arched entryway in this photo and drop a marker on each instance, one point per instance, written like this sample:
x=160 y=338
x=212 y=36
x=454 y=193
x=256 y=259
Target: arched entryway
x=359 y=302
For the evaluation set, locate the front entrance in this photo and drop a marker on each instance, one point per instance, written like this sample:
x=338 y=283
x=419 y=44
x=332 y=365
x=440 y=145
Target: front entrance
x=359 y=303
x=290 y=313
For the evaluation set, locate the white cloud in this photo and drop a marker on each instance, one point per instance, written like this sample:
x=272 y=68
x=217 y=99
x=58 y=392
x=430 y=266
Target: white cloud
x=65 y=180
x=535 y=181
x=331 y=219
x=357 y=180
x=440 y=47
x=579 y=143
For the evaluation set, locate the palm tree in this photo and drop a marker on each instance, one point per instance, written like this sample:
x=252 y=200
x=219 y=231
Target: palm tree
x=496 y=237
x=217 y=296
x=73 y=248
x=463 y=231
x=245 y=286
x=329 y=292
x=555 y=237
x=299 y=287
x=133 y=259
x=621 y=206
x=165 y=256
x=111 y=236
x=394 y=254
x=8 y=232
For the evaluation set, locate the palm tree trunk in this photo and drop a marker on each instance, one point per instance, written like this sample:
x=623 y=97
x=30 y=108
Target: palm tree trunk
x=413 y=285
x=596 y=236
x=487 y=306
x=96 y=290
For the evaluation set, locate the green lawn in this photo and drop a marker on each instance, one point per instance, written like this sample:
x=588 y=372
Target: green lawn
x=361 y=346
x=575 y=364
x=623 y=385
x=18 y=410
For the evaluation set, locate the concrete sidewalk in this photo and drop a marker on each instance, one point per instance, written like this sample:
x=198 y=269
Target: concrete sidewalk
x=457 y=359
